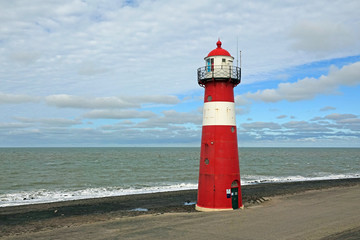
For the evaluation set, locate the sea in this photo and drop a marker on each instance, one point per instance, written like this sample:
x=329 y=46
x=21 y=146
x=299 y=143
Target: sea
x=42 y=175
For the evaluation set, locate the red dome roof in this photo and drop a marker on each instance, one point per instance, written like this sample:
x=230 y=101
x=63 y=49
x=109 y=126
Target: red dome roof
x=218 y=51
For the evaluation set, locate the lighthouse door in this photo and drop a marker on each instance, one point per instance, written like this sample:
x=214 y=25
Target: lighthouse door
x=235 y=197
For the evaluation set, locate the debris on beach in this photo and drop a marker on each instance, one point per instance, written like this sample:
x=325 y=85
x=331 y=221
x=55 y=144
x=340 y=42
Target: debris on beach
x=189 y=203
x=139 y=210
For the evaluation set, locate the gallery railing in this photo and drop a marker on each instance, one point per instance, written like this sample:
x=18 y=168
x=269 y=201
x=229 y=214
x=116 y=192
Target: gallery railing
x=219 y=73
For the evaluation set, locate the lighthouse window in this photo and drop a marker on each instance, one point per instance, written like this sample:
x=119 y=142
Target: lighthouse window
x=232 y=129
x=208 y=65
x=206 y=161
x=209 y=98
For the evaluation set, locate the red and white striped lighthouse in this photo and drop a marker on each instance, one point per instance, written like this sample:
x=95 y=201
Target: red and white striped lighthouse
x=219 y=174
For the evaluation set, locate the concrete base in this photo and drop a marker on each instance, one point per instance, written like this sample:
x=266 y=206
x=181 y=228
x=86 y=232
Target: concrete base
x=204 y=209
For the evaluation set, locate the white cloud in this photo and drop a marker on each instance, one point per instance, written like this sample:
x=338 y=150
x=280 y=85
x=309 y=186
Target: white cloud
x=242 y=111
x=343 y=128
x=113 y=47
x=69 y=101
x=337 y=116
x=58 y=122
x=116 y=59
x=24 y=57
x=89 y=68
x=304 y=126
x=315 y=36
x=6 y=126
x=261 y=125
x=327 y=108
x=172 y=117
x=160 y=99
x=118 y=114
x=308 y=88
x=17 y=98
x=241 y=100
x=281 y=116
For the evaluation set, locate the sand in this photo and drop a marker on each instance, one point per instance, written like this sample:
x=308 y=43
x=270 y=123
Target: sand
x=303 y=210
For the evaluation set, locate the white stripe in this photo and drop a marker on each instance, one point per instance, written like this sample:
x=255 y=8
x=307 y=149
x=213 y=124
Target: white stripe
x=219 y=113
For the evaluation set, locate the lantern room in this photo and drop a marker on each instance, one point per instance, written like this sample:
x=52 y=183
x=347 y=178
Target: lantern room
x=218 y=57
x=219 y=67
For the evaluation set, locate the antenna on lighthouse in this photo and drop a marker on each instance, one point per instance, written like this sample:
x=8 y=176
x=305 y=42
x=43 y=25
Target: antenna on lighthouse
x=240 y=58
x=237 y=52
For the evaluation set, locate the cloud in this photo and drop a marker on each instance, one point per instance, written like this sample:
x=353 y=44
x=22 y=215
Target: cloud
x=260 y=125
x=281 y=116
x=337 y=116
x=304 y=126
x=342 y=122
x=69 y=101
x=58 y=122
x=17 y=98
x=129 y=47
x=327 y=108
x=241 y=100
x=309 y=88
x=322 y=36
x=84 y=60
x=172 y=117
x=160 y=99
x=118 y=114
x=89 y=68
x=120 y=133
x=242 y=111
x=329 y=129
x=24 y=57
x=6 y=126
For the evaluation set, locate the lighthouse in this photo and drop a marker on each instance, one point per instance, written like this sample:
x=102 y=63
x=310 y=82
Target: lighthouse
x=219 y=172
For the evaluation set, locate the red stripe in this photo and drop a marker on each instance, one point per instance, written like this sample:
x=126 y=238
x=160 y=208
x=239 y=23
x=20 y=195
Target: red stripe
x=219 y=91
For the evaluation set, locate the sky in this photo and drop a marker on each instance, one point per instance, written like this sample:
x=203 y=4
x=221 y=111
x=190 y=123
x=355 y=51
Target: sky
x=124 y=73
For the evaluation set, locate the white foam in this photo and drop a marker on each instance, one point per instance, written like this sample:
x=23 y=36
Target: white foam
x=256 y=179
x=45 y=196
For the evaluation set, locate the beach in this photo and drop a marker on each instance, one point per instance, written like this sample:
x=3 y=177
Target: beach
x=327 y=209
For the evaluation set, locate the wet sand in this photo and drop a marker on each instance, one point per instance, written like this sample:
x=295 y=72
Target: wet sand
x=301 y=210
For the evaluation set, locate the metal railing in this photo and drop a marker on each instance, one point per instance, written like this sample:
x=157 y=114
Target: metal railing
x=219 y=73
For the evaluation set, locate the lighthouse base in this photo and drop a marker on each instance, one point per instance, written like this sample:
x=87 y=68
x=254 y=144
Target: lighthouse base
x=204 y=209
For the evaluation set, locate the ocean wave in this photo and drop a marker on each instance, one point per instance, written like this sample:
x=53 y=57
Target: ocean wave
x=46 y=196
x=256 y=179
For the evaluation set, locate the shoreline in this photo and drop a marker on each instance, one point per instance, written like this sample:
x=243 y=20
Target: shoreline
x=89 y=198
x=38 y=217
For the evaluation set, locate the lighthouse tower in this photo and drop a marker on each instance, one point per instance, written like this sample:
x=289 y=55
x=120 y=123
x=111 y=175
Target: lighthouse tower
x=219 y=174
